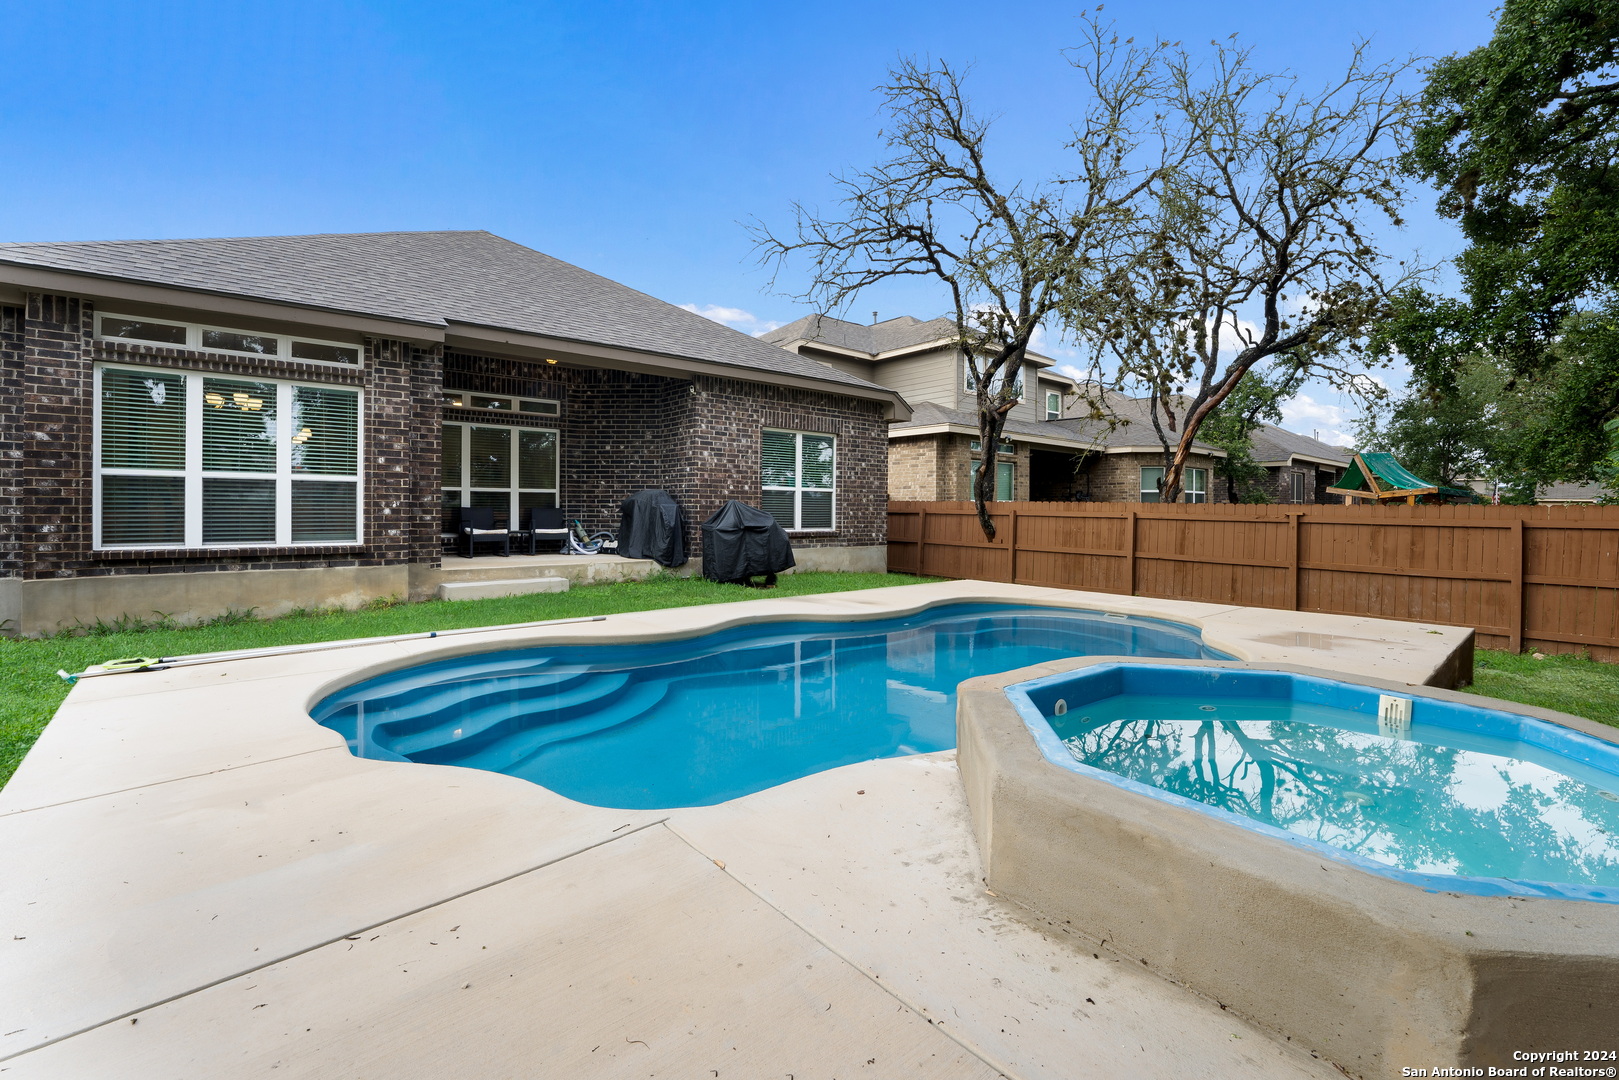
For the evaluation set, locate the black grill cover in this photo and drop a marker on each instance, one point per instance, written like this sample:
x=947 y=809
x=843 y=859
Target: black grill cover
x=742 y=541
x=651 y=525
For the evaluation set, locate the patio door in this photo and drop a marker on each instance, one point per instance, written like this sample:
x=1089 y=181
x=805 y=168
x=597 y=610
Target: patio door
x=508 y=469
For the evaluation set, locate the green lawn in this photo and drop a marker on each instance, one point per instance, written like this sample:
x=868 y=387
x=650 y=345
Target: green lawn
x=30 y=690
x=1568 y=684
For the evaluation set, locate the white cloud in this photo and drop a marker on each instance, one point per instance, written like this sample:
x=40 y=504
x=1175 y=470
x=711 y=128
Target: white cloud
x=735 y=318
x=1307 y=416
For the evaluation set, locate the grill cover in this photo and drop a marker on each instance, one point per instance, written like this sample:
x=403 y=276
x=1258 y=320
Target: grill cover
x=651 y=525
x=742 y=541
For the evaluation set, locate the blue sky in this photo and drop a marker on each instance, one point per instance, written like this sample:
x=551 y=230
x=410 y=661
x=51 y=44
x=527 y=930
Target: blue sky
x=629 y=138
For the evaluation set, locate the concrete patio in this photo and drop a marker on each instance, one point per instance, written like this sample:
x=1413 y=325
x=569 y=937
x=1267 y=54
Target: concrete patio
x=203 y=882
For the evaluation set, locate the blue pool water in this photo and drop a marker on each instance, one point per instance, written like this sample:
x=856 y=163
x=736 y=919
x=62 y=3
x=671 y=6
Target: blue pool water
x=1469 y=799
x=705 y=719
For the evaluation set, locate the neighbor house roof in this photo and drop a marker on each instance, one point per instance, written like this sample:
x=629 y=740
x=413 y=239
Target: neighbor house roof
x=871 y=340
x=1277 y=446
x=930 y=417
x=429 y=279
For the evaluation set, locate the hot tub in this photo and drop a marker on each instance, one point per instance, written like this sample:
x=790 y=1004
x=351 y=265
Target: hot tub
x=1443 y=891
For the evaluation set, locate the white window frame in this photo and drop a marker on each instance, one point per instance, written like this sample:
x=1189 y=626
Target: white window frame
x=799 y=489
x=459 y=399
x=1016 y=371
x=1196 y=488
x=193 y=473
x=1143 y=490
x=515 y=490
x=193 y=342
x=1053 y=411
x=1295 y=486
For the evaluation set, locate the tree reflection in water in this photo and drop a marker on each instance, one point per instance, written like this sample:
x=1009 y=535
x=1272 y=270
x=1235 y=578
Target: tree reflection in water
x=1413 y=804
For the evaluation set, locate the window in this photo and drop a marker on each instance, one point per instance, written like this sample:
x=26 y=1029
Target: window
x=1015 y=374
x=508 y=469
x=1194 y=485
x=1295 y=487
x=215 y=339
x=194 y=460
x=1053 y=405
x=1003 y=479
x=797 y=475
x=1197 y=486
x=532 y=406
x=1152 y=479
x=1005 y=447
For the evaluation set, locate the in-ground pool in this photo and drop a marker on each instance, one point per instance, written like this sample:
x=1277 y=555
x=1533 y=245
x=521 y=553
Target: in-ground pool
x=1466 y=798
x=699 y=720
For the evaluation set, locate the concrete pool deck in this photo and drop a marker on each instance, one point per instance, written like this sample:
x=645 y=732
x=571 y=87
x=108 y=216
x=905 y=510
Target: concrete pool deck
x=201 y=881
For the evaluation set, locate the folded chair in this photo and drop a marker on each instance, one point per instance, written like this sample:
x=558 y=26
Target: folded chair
x=476 y=525
x=536 y=522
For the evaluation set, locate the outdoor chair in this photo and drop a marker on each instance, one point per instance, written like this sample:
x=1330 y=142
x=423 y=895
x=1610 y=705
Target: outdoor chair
x=476 y=525
x=539 y=521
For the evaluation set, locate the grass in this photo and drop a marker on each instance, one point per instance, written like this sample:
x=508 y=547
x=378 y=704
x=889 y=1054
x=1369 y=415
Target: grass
x=1571 y=684
x=30 y=689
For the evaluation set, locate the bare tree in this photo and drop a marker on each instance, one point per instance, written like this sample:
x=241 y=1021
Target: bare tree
x=1259 y=250
x=1009 y=255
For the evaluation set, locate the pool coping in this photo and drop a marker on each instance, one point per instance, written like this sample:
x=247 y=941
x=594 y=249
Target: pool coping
x=130 y=756
x=1413 y=975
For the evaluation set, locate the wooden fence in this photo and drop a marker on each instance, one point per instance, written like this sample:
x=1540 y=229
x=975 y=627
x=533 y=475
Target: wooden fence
x=1546 y=577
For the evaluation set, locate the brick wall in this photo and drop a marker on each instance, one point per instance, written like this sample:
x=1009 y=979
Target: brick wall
x=12 y=400
x=1117 y=477
x=913 y=468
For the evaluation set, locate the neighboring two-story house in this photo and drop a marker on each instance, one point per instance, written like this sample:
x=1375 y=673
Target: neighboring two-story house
x=1058 y=444
x=192 y=426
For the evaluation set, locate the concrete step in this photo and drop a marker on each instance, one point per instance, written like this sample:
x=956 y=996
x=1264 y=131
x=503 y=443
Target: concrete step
x=484 y=590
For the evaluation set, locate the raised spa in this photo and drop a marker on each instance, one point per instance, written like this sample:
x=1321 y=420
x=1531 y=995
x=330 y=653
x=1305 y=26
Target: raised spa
x=1439 y=888
x=1464 y=798
x=699 y=720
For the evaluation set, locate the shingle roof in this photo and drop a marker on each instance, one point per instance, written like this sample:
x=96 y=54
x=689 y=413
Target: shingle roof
x=430 y=278
x=1082 y=433
x=870 y=339
x=1271 y=443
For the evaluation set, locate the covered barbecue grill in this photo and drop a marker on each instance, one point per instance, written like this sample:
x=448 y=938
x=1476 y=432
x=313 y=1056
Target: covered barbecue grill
x=651 y=525
x=742 y=542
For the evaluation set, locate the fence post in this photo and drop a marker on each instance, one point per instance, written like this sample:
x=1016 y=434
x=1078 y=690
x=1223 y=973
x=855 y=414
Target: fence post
x=1515 y=626
x=1130 y=552
x=1011 y=544
x=1293 y=559
x=922 y=541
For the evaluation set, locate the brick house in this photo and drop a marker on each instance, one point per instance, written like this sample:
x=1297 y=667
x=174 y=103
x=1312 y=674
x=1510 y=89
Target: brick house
x=192 y=426
x=1299 y=468
x=1051 y=449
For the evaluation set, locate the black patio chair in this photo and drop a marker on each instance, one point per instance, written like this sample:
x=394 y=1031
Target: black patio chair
x=476 y=525
x=538 y=521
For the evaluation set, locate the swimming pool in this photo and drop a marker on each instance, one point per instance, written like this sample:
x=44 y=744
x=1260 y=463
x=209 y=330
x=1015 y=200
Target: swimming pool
x=704 y=719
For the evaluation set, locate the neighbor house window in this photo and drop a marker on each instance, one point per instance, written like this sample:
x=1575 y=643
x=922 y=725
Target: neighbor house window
x=1053 y=405
x=1014 y=374
x=1004 y=473
x=508 y=469
x=1295 y=486
x=1003 y=447
x=1194 y=485
x=798 y=474
x=217 y=339
x=1197 y=485
x=194 y=460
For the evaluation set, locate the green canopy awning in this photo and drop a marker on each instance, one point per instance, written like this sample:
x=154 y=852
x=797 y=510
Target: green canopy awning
x=1381 y=476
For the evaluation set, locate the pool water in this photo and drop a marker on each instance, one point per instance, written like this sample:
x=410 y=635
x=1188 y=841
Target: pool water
x=700 y=720
x=1468 y=791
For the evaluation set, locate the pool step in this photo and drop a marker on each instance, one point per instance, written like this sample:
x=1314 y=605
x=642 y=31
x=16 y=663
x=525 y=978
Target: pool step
x=468 y=722
x=454 y=701
x=506 y=754
x=497 y=719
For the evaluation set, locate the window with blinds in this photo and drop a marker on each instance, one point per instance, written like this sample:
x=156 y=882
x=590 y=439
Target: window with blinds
x=196 y=460
x=798 y=479
x=507 y=469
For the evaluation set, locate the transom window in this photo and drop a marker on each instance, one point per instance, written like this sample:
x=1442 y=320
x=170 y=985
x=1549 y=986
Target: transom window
x=798 y=477
x=193 y=460
x=454 y=399
x=508 y=469
x=1004 y=447
x=1194 y=485
x=148 y=331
